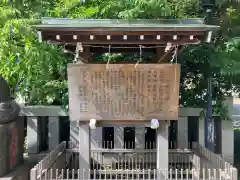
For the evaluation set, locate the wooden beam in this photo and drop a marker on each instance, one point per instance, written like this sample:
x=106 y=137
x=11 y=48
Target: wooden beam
x=116 y=39
x=122 y=50
x=98 y=48
x=33 y=111
x=89 y=31
x=180 y=42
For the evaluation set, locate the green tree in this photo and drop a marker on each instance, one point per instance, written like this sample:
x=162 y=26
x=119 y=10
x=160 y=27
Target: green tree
x=36 y=72
x=39 y=69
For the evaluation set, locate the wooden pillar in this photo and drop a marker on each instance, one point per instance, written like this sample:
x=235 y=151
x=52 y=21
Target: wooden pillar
x=162 y=149
x=84 y=149
x=80 y=132
x=162 y=131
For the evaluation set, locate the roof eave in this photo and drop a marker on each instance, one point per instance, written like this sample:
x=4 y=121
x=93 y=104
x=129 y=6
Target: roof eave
x=137 y=29
x=50 y=20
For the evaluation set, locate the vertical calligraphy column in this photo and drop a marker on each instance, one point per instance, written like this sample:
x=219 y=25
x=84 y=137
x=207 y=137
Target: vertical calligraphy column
x=78 y=84
x=84 y=132
x=123 y=92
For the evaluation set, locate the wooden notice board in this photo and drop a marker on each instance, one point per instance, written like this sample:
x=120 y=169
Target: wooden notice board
x=123 y=92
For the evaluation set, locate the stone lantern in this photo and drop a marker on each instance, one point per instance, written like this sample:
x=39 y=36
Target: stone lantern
x=11 y=131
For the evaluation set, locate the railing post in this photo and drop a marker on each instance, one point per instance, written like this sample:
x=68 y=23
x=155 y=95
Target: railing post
x=234 y=175
x=53 y=132
x=196 y=162
x=33 y=174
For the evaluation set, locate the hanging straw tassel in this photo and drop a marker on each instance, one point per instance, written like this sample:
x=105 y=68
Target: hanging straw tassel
x=174 y=56
x=79 y=48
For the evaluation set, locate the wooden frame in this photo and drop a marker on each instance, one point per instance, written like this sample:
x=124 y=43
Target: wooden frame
x=123 y=91
x=64 y=37
x=123 y=33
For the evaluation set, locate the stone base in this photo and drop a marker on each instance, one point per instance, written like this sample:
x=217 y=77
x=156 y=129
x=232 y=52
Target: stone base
x=11 y=149
x=20 y=173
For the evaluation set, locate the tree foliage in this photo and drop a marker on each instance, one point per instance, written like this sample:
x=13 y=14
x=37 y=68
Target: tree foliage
x=37 y=71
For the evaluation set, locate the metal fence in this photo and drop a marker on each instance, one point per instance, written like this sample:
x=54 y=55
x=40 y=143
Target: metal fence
x=205 y=174
x=132 y=159
x=198 y=163
x=129 y=144
x=211 y=160
x=56 y=159
x=87 y=174
x=121 y=158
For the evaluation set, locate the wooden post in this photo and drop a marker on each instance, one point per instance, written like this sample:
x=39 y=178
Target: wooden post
x=162 y=149
x=162 y=131
x=84 y=148
x=33 y=174
x=83 y=134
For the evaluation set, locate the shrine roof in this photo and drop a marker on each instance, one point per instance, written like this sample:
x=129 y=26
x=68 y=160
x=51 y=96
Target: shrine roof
x=193 y=24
